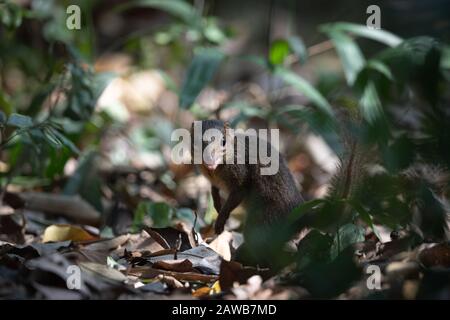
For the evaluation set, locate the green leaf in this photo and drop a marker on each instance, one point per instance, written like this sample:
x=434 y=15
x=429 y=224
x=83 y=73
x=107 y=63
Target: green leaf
x=370 y=104
x=365 y=216
x=306 y=88
x=210 y=213
x=347 y=235
x=417 y=61
x=410 y=54
x=177 y=8
x=212 y=32
x=302 y=209
x=11 y=15
x=19 y=121
x=51 y=138
x=379 y=66
x=279 y=50
x=294 y=116
x=201 y=70
x=65 y=141
x=160 y=214
x=378 y=73
x=5 y=104
x=362 y=31
x=349 y=53
x=298 y=48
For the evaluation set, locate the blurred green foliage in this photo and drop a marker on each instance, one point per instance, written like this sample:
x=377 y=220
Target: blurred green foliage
x=397 y=100
x=47 y=113
x=375 y=97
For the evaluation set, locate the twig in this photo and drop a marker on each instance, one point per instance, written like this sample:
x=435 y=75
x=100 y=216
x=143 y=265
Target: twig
x=320 y=48
x=194 y=234
x=177 y=247
x=269 y=38
x=314 y=50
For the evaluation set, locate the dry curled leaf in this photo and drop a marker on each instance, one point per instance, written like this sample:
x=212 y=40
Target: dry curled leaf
x=64 y=232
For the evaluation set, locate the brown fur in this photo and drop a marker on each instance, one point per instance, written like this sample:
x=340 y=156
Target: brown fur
x=268 y=197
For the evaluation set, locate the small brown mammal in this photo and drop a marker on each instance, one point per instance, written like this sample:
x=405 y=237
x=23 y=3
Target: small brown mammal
x=275 y=195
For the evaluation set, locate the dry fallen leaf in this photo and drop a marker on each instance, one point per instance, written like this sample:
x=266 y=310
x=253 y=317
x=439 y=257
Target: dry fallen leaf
x=64 y=232
x=109 y=244
x=216 y=287
x=232 y=271
x=174 y=265
x=201 y=292
x=140 y=242
x=221 y=245
x=103 y=271
x=206 y=291
x=169 y=237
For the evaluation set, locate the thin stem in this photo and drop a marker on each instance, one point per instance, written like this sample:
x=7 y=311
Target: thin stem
x=268 y=43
